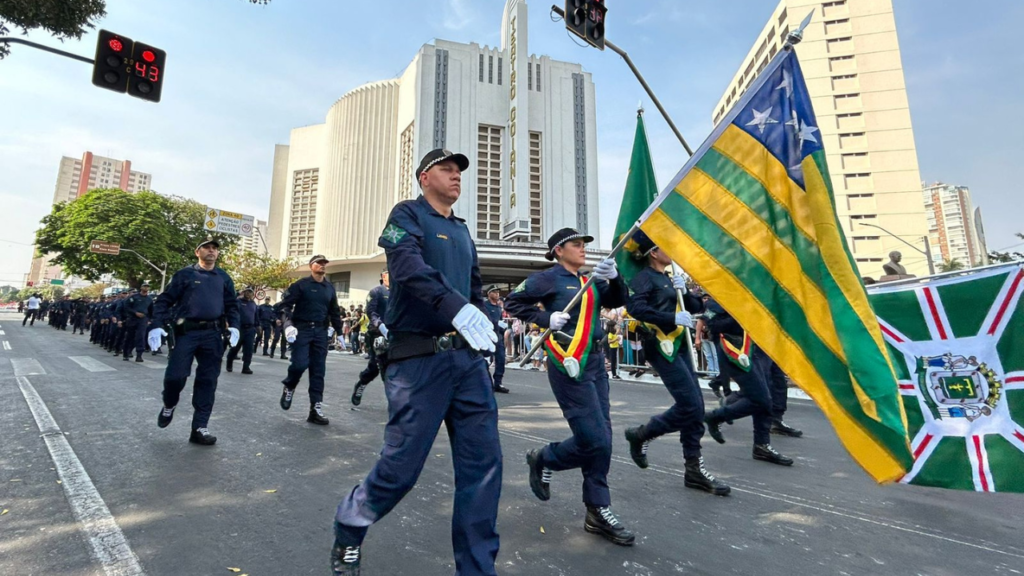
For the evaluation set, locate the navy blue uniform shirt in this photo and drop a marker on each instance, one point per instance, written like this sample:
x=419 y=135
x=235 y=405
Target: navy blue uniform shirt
x=653 y=300
x=493 y=312
x=720 y=321
x=197 y=294
x=377 y=306
x=246 y=312
x=554 y=288
x=433 y=265
x=307 y=300
x=265 y=314
x=137 y=303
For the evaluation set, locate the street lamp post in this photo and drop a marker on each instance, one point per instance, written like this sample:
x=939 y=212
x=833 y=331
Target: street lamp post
x=163 y=272
x=927 y=245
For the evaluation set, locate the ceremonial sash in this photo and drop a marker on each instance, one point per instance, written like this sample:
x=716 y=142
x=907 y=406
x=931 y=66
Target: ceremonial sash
x=737 y=352
x=571 y=360
x=668 y=344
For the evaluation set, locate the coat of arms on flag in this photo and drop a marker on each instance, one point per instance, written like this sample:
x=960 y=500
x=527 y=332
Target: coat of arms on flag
x=957 y=345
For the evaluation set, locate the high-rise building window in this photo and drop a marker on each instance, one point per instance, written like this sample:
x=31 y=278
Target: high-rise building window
x=481 y=67
x=529 y=75
x=405 y=164
x=499 y=70
x=490 y=69
x=305 y=184
x=538 y=76
x=488 y=182
x=536 y=187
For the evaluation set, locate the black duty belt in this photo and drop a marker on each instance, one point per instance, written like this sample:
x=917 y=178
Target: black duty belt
x=407 y=346
x=307 y=324
x=193 y=325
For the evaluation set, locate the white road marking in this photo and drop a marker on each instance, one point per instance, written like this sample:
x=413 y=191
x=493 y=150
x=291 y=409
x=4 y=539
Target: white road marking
x=7 y=345
x=91 y=364
x=26 y=367
x=109 y=546
x=2 y=333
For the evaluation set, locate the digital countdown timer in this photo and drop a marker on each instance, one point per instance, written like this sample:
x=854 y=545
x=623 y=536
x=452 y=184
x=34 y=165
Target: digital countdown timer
x=126 y=66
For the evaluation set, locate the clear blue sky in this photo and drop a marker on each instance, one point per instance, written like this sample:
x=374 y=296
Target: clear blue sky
x=240 y=76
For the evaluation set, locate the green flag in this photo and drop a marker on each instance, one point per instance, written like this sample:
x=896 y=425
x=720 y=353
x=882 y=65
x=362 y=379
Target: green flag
x=641 y=191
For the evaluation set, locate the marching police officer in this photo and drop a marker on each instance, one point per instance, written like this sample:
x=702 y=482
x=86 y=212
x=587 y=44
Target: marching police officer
x=203 y=298
x=135 y=314
x=281 y=320
x=746 y=364
x=312 y=304
x=653 y=301
x=434 y=374
x=576 y=373
x=376 y=309
x=247 y=317
x=265 y=315
x=494 y=310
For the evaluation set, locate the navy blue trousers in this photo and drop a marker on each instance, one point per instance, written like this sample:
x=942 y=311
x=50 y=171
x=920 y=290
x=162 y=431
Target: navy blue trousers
x=755 y=398
x=451 y=387
x=246 y=342
x=206 y=347
x=266 y=335
x=686 y=416
x=585 y=406
x=135 y=335
x=372 y=369
x=499 y=362
x=309 y=351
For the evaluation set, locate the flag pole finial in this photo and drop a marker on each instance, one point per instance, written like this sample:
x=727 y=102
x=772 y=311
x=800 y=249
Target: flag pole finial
x=795 y=36
x=640 y=107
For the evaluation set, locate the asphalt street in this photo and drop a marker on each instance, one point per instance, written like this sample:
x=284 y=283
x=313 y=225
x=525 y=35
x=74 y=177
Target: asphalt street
x=101 y=490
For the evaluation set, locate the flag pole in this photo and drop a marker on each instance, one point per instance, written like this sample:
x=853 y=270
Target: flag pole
x=579 y=295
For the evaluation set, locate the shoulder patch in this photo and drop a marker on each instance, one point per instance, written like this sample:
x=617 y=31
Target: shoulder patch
x=393 y=233
x=521 y=287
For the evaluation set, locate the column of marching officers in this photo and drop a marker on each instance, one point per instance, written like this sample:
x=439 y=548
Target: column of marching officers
x=430 y=330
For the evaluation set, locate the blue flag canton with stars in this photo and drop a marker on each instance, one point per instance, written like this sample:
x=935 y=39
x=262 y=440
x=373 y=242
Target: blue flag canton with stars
x=779 y=116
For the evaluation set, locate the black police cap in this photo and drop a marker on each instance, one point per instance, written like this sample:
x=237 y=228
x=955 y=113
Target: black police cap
x=492 y=288
x=440 y=155
x=561 y=237
x=319 y=258
x=644 y=245
x=209 y=240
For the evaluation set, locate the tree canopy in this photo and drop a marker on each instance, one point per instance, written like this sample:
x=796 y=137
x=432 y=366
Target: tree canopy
x=258 y=271
x=164 y=230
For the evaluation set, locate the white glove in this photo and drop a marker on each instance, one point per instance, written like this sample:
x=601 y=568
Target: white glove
x=233 y=339
x=154 y=338
x=606 y=270
x=290 y=333
x=330 y=331
x=557 y=320
x=683 y=318
x=502 y=324
x=383 y=330
x=476 y=328
x=679 y=283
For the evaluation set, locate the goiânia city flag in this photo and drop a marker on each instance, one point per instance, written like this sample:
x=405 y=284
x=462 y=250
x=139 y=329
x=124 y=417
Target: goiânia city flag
x=751 y=217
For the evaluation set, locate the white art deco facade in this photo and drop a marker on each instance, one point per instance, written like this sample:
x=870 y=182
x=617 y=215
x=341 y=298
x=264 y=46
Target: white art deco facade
x=526 y=123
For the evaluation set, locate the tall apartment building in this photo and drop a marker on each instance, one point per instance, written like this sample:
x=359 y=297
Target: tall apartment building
x=75 y=177
x=954 y=225
x=527 y=123
x=850 y=57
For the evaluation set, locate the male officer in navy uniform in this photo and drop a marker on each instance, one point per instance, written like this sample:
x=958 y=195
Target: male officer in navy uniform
x=281 y=321
x=247 y=317
x=575 y=364
x=493 y=309
x=434 y=374
x=265 y=315
x=313 y=306
x=376 y=309
x=203 y=298
x=746 y=364
x=135 y=314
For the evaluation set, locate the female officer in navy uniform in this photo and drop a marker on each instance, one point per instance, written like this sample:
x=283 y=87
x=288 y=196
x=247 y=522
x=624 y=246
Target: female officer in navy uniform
x=434 y=374
x=576 y=373
x=653 y=301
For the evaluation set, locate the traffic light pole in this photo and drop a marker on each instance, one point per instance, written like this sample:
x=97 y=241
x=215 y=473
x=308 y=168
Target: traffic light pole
x=7 y=40
x=640 y=78
x=163 y=272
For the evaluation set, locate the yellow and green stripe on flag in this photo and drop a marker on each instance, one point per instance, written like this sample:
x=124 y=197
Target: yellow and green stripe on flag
x=751 y=217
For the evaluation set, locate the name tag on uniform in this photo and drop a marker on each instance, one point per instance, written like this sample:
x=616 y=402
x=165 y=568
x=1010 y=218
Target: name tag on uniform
x=572 y=287
x=198 y=281
x=442 y=236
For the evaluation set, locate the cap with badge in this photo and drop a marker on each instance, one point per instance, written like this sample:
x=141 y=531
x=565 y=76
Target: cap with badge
x=248 y=289
x=209 y=240
x=440 y=155
x=319 y=258
x=561 y=237
x=492 y=288
x=644 y=245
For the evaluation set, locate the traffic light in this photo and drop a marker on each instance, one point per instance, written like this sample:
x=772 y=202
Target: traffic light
x=110 y=70
x=146 y=79
x=585 y=18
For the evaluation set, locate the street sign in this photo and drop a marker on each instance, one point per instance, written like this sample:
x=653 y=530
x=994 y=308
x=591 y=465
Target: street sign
x=228 y=222
x=101 y=247
x=56 y=282
x=261 y=294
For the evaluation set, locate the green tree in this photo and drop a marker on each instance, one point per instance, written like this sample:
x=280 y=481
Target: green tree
x=951 y=265
x=64 y=19
x=258 y=271
x=1000 y=257
x=163 y=230
x=93 y=291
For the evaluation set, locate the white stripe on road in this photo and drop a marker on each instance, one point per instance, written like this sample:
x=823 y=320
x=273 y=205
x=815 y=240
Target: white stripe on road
x=2 y=333
x=26 y=367
x=91 y=364
x=7 y=345
x=109 y=545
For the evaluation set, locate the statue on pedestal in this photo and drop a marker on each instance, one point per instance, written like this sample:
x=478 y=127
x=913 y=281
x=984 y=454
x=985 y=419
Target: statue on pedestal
x=893 y=269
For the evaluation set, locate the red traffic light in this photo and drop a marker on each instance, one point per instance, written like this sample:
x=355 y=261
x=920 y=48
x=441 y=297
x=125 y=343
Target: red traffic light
x=115 y=45
x=148 y=56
